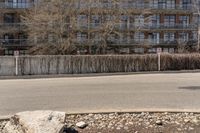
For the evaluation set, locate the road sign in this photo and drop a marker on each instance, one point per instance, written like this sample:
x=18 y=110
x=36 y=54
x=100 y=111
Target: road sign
x=16 y=53
x=159 y=50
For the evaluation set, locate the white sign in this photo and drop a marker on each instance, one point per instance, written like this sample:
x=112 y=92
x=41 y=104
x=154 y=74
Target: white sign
x=16 y=53
x=159 y=50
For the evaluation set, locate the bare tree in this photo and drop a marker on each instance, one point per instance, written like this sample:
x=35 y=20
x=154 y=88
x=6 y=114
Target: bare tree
x=196 y=8
x=50 y=27
x=53 y=26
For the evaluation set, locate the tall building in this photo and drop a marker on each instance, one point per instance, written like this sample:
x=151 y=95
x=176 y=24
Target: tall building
x=144 y=25
x=12 y=34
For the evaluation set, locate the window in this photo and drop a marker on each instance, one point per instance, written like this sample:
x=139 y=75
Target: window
x=8 y=39
x=139 y=50
x=17 y=3
x=171 y=4
x=82 y=4
x=169 y=37
x=154 y=4
x=184 y=20
x=169 y=21
x=139 y=20
x=155 y=20
x=161 y=4
x=9 y=18
x=154 y=38
x=139 y=36
x=194 y=35
x=81 y=37
x=107 y=4
x=139 y=3
x=82 y=21
x=9 y=52
x=183 y=37
x=108 y=18
x=113 y=38
x=124 y=22
x=186 y=4
x=95 y=20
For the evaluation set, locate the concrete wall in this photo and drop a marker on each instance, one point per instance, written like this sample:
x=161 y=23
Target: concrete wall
x=7 y=66
x=45 y=65
x=84 y=64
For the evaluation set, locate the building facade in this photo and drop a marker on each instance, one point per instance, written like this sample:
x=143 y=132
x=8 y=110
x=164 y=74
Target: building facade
x=12 y=31
x=143 y=26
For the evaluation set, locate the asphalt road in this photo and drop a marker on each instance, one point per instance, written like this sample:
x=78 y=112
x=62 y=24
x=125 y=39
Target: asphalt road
x=153 y=92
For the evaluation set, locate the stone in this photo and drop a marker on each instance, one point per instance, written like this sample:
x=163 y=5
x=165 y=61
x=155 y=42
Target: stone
x=179 y=129
x=90 y=115
x=191 y=128
x=195 y=121
x=81 y=124
x=140 y=120
x=36 y=122
x=147 y=123
x=126 y=128
x=118 y=128
x=159 y=122
x=130 y=123
x=186 y=120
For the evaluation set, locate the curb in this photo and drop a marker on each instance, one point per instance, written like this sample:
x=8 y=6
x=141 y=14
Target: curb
x=138 y=111
x=4 y=118
x=95 y=74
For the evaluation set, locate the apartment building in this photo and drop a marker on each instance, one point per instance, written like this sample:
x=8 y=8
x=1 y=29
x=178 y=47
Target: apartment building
x=12 y=31
x=146 y=25
x=143 y=26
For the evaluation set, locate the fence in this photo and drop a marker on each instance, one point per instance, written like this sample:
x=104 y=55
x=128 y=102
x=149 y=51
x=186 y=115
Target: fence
x=45 y=65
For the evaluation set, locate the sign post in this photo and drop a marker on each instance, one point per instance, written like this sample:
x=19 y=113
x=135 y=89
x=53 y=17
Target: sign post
x=16 y=54
x=159 y=51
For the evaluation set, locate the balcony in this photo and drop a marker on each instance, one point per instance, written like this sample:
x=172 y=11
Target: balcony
x=132 y=26
x=136 y=42
x=152 y=42
x=165 y=26
x=109 y=5
x=134 y=5
x=14 y=42
x=12 y=5
x=12 y=26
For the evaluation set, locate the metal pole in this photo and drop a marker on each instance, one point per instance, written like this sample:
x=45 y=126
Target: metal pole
x=16 y=65
x=159 y=61
x=198 y=45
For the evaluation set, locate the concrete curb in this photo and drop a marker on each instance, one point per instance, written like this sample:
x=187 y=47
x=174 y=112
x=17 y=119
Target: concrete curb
x=5 y=118
x=139 y=111
x=95 y=74
x=196 y=111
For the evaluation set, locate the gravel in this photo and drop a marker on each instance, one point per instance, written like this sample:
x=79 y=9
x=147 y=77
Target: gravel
x=132 y=123
x=2 y=125
x=136 y=123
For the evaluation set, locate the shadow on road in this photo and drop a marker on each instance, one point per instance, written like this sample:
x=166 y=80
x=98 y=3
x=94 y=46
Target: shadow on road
x=190 y=87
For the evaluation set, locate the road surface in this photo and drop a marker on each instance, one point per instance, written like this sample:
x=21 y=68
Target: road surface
x=174 y=92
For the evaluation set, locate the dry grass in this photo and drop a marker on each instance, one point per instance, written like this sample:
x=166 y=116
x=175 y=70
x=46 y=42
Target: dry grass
x=180 y=61
x=33 y=65
x=87 y=64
